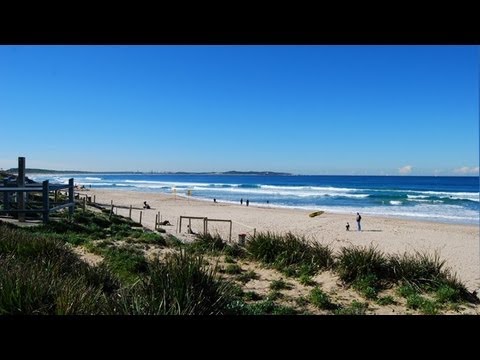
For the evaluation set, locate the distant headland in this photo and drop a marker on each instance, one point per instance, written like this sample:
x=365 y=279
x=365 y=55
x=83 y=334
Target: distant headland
x=49 y=171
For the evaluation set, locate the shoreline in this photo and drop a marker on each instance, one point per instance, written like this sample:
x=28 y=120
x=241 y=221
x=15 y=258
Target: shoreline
x=457 y=244
x=428 y=219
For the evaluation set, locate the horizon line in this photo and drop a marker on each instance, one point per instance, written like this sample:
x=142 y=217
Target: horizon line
x=230 y=172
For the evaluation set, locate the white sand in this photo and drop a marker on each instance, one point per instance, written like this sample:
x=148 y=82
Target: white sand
x=459 y=245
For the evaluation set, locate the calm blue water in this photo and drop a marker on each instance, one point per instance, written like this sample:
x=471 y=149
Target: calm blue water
x=445 y=199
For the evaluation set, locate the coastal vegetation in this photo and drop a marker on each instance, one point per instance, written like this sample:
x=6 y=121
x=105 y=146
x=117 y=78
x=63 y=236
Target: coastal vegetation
x=101 y=263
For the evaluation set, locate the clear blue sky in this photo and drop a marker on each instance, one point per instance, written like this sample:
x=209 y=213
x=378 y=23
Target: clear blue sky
x=302 y=109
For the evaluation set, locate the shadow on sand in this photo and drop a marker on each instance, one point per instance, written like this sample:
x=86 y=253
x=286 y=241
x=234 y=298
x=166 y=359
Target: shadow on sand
x=373 y=230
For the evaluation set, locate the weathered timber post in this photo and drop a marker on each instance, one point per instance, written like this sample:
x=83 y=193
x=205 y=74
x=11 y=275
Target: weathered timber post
x=46 y=203
x=6 y=196
x=140 y=218
x=71 y=199
x=130 y=212
x=21 y=183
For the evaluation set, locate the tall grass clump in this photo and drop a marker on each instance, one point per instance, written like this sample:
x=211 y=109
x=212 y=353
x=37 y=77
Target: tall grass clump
x=366 y=268
x=428 y=272
x=127 y=262
x=289 y=253
x=181 y=285
x=358 y=262
x=207 y=243
x=43 y=276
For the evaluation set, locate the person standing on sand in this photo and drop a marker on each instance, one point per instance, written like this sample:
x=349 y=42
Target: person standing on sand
x=247 y=202
x=241 y=201
x=359 y=218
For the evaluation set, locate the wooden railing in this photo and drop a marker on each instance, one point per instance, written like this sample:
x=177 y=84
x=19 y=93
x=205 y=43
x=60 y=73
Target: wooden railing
x=9 y=188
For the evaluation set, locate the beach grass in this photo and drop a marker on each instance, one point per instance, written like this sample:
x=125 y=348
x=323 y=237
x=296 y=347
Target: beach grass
x=42 y=275
x=289 y=253
x=180 y=285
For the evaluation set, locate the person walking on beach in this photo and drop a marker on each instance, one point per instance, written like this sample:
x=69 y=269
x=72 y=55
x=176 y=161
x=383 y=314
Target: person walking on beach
x=347 y=226
x=359 y=218
x=241 y=201
x=247 y=202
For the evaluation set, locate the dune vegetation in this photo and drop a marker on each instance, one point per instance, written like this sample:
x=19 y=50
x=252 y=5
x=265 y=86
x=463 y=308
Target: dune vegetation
x=46 y=270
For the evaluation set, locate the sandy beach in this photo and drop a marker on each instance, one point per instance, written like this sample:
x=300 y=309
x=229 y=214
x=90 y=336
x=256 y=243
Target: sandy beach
x=457 y=244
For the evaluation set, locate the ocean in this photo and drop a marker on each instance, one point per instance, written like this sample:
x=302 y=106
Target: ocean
x=434 y=198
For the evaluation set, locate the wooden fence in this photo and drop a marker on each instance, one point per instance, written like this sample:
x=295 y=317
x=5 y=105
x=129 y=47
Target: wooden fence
x=9 y=188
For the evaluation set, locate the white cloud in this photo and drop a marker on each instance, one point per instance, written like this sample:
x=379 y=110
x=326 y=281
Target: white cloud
x=405 y=170
x=467 y=170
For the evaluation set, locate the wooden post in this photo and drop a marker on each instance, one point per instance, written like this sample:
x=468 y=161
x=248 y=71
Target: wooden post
x=21 y=183
x=254 y=231
x=230 y=236
x=84 y=203
x=156 y=221
x=6 y=196
x=130 y=212
x=94 y=201
x=45 y=199
x=140 y=218
x=56 y=196
x=180 y=227
x=205 y=221
x=71 y=199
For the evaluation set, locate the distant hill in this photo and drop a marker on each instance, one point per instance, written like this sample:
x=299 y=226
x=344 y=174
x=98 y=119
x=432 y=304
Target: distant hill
x=47 y=171
x=253 y=173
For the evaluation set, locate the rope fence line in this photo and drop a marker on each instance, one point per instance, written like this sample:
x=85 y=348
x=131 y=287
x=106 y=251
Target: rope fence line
x=247 y=226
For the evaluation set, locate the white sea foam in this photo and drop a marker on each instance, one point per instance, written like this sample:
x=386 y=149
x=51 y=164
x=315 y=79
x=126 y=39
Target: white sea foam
x=417 y=196
x=395 y=202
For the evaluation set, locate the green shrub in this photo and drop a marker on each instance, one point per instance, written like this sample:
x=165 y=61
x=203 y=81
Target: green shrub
x=359 y=262
x=207 y=243
x=279 y=285
x=306 y=280
x=355 y=308
x=180 y=285
x=321 y=300
x=246 y=276
x=233 y=269
x=386 y=300
x=291 y=254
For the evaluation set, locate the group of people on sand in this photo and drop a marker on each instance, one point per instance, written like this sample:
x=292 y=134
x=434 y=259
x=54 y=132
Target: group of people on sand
x=246 y=202
x=358 y=219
